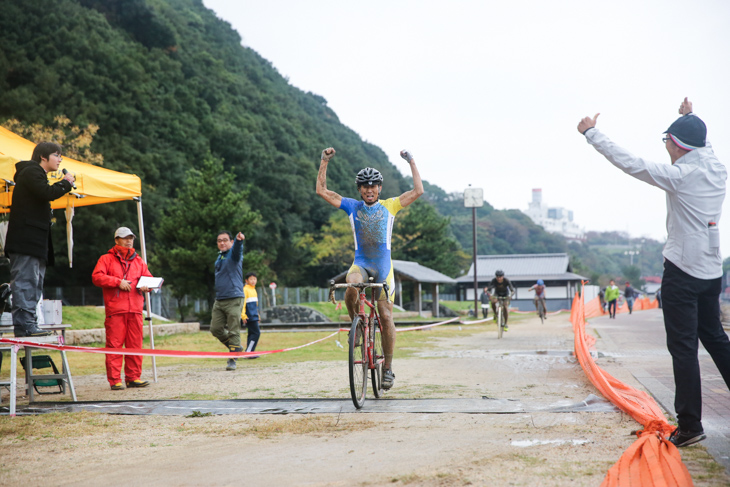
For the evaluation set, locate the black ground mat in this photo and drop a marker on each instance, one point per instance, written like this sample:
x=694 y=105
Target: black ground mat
x=485 y=405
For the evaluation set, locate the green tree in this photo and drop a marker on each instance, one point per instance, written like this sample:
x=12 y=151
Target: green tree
x=633 y=274
x=186 y=251
x=422 y=235
x=329 y=251
x=76 y=141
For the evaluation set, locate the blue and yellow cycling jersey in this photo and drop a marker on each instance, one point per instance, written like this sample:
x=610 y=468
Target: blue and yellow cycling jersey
x=372 y=227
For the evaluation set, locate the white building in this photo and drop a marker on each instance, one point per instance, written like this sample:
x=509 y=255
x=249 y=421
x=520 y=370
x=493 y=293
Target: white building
x=523 y=270
x=553 y=219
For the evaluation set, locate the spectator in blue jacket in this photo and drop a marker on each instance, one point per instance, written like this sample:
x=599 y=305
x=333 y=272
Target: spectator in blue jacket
x=225 y=320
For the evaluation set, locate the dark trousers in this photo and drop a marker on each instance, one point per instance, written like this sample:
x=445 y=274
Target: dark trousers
x=26 y=285
x=691 y=310
x=254 y=332
x=612 y=305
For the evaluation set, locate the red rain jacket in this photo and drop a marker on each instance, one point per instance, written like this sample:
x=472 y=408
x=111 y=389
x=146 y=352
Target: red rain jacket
x=109 y=272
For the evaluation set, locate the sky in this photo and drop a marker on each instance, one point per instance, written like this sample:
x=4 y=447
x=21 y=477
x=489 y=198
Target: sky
x=490 y=93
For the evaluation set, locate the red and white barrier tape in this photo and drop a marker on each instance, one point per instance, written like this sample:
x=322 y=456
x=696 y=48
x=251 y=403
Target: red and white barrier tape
x=146 y=352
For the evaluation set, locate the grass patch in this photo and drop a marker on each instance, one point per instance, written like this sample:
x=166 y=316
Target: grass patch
x=308 y=424
x=89 y=317
x=330 y=311
x=702 y=466
x=54 y=425
x=461 y=307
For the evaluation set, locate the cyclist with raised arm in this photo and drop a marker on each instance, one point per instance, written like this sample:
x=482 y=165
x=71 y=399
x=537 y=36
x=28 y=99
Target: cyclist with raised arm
x=500 y=287
x=539 y=289
x=372 y=225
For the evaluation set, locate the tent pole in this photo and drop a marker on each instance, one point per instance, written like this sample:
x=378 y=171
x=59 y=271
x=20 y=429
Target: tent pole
x=143 y=250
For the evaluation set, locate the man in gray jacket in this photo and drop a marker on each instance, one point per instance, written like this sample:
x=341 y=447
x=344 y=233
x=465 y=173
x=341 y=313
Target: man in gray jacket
x=695 y=188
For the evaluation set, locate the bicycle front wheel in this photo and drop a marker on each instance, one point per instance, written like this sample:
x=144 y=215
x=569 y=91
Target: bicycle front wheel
x=542 y=312
x=500 y=322
x=376 y=374
x=358 y=362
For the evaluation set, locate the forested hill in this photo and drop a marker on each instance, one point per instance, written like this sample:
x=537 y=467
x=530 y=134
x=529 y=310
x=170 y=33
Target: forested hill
x=173 y=91
x=170 y=85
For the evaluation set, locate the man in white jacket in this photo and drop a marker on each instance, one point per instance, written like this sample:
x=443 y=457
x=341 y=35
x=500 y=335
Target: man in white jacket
x=695 y=187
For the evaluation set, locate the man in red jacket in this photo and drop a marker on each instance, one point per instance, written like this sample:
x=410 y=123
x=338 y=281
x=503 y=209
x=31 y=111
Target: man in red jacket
x=117 y=273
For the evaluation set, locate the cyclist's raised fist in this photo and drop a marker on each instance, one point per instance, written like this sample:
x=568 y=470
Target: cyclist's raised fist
x=328 y=153
x=406 y=155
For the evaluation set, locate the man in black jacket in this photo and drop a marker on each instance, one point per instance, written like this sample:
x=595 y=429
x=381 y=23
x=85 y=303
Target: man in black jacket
x=28 y=244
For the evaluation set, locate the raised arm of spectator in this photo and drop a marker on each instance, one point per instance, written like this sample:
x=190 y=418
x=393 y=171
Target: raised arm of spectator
x=237 y=250
x=410 y=196
x=330 y=197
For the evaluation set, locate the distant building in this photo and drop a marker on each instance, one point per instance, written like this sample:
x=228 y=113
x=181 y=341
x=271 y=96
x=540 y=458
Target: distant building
x=652 y=284
x=555 y=219
x=523 y=270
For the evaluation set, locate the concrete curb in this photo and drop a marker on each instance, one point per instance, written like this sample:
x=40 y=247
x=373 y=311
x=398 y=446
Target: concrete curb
x=98 y=335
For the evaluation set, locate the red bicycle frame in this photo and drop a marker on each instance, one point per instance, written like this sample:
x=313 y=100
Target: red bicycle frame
x=372 y=321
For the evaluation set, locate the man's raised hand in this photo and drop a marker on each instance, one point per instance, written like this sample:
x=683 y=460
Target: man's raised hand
x=406 y=155
x=240 y=236
x=327 y=154
x=587 y=123
x=685 y=108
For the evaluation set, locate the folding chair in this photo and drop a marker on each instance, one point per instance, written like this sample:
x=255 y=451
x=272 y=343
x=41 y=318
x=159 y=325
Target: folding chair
x=44 y=362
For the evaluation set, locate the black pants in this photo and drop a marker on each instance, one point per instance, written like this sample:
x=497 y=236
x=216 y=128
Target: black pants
x=691 y=310
x=254 y=332
x=612 y=305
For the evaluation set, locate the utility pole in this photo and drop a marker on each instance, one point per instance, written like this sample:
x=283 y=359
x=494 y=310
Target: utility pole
x=474 y=198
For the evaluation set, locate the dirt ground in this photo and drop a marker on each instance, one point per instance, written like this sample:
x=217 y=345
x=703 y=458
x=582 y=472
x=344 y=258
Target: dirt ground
x=368 y=449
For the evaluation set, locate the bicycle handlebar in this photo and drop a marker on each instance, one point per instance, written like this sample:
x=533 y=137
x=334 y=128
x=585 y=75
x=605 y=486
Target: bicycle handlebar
x=359 y=285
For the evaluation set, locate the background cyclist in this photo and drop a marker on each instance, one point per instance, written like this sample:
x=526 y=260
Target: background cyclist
x=500 y=287
x=372 y=225
x=539 y=289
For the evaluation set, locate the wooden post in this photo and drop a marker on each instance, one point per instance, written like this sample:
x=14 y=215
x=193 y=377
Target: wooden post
x=435 y=313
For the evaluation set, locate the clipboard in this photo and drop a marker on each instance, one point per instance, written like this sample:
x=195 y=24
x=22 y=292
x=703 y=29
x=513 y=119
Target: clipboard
x=152 y=283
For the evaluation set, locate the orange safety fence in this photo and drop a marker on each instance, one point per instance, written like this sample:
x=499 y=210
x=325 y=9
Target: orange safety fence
x=652 y=460
x=593 y=307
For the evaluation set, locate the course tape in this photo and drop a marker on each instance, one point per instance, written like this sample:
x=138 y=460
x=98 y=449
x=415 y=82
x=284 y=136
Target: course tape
x=147 y=352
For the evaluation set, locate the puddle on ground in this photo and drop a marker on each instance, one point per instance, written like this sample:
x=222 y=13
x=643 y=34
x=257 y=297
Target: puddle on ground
x=526 y=443
x=496 y=353
x=553 y=353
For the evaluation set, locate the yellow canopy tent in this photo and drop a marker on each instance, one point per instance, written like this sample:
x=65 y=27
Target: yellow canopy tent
x=94 y=185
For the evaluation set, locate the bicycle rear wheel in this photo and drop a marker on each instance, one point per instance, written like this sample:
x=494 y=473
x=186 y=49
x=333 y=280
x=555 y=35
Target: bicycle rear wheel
x=358 y=362
x=500 y=321
x=376 y=374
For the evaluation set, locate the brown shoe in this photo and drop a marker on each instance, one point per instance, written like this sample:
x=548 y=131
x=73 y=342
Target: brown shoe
x=138 y=383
